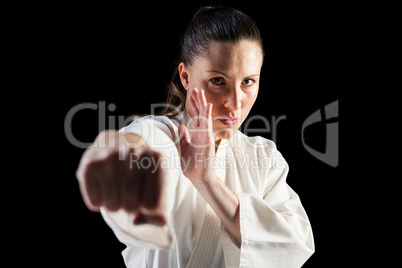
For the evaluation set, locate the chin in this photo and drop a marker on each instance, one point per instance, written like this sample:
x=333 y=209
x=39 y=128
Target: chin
x=225 y=133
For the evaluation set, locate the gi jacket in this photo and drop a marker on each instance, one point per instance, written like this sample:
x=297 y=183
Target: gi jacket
x=275 y=230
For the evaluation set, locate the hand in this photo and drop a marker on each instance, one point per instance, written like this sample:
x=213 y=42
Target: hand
x=197 y=148
x=197 y=152
x=114 y=174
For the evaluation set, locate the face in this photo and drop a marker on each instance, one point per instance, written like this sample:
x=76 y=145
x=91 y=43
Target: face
x=229 y=74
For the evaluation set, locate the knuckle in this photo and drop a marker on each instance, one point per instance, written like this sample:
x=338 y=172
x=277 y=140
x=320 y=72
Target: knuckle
x=112 y=156
x=112 y=206
x=130 y=205
x=152 y=197
x=93 y=201
x=91 y=168
x=151 y=202
x=78 y=174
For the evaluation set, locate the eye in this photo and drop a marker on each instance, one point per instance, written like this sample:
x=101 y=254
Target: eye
x=218 y=81
x=248 y=82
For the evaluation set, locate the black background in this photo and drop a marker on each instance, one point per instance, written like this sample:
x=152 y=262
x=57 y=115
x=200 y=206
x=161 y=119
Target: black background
x=125 y=55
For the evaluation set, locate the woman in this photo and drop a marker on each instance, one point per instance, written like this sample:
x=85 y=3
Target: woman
x=186 y=188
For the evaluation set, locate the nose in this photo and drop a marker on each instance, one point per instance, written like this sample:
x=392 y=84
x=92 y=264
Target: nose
x=233 y=99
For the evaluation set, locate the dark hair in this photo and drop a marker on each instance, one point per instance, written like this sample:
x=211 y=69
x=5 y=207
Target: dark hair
x=208 y=25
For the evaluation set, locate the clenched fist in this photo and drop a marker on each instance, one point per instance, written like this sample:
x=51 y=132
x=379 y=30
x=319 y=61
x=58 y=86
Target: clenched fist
x=109 y=176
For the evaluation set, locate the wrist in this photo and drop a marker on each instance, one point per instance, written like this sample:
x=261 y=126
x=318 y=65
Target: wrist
x=207 y=183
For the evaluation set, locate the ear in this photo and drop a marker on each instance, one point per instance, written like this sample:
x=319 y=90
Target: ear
x=183 y=72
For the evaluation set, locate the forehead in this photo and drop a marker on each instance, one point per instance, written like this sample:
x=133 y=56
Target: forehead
x=241 y=57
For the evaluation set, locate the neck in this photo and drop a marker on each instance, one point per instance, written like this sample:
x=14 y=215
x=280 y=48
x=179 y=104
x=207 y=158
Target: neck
x=217 y=142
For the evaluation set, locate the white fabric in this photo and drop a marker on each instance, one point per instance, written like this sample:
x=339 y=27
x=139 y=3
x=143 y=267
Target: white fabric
x=275 y=229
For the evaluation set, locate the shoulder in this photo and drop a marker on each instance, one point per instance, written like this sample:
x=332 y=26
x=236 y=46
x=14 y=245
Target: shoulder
x=152 y=121
x=152 y=126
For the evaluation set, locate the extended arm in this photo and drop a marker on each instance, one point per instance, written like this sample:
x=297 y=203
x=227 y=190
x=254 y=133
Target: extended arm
x=108 y=178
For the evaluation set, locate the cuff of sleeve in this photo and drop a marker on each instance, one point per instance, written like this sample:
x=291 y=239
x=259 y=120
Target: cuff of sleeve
x=230 y=249
x=147 y=235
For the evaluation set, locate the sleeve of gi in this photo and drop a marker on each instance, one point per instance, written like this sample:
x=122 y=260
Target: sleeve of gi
x=274 y=227
x=161 y=136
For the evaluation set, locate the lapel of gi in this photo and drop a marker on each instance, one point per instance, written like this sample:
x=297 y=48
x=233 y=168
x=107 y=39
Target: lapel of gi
x=208 y=239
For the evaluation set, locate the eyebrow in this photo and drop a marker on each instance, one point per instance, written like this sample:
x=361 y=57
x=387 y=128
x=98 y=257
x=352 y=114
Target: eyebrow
x=225 y=75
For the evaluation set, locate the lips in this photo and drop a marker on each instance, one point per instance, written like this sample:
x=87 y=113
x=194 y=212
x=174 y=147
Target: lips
x=228 y=121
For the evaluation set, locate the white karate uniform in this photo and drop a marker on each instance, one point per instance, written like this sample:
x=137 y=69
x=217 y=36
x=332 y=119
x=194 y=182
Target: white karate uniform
x=275 y=230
